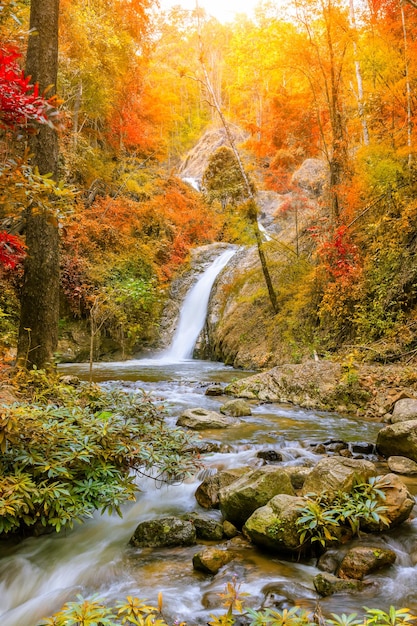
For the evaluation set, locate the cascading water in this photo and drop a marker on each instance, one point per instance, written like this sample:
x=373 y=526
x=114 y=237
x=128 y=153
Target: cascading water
x=194 y=311
x=40 y=574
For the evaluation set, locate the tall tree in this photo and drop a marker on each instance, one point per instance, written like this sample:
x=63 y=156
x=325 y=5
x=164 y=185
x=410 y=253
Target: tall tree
x=38 y=332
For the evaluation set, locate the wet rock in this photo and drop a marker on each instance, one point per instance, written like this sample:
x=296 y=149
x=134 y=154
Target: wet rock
x=275 y=598
x=164 y=532
x=320 y=448
x=402 y=465
x=346 y=453
x=214 y=390
x=270 y=456
x=274 y=525
x=335 y=446
x=236 y=408
x=336 y=473
x=362 y=560
x=362 y=447
x=205 y=447
x=203 y=419
x=242 y=497
x=206 y=528
x=230 y=530
x=207 y=493
x=404 y=410
x=398 y=439
x=329 y=561
x=328 y=584
x=210 y=560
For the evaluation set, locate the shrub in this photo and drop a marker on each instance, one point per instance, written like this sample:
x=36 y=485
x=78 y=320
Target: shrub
x=61 y=462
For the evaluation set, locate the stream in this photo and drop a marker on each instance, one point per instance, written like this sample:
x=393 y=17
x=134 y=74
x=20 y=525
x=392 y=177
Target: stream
x=38 y=575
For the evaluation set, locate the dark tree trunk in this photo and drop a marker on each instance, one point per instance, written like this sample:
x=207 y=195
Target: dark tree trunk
x=38 y=332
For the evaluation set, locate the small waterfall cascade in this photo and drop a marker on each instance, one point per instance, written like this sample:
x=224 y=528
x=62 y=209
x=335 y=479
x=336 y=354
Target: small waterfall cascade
x=194 y=311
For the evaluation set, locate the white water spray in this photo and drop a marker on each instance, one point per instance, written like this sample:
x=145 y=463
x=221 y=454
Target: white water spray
x=194 y=311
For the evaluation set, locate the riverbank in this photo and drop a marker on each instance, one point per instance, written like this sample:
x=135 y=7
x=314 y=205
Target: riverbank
x=350 y=388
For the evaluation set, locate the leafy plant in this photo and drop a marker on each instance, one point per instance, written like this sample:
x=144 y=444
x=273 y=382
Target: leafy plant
x=323 y=513
x=63 y=461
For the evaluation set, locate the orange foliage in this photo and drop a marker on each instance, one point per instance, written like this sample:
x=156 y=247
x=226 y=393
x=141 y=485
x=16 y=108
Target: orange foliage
x=155 y=235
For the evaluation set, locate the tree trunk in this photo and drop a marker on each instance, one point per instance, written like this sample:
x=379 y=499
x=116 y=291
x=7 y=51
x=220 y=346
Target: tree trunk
x=38 y=332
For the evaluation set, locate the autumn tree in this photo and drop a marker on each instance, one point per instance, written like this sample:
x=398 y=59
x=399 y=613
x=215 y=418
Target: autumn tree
x=38 y=331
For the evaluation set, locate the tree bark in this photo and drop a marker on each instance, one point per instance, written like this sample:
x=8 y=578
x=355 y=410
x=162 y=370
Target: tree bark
x=38 y=331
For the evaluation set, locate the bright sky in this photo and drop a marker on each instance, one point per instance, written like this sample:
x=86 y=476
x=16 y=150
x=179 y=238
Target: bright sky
x=223 y=10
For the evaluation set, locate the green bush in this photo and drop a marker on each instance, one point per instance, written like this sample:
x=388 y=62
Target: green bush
x=61 y=462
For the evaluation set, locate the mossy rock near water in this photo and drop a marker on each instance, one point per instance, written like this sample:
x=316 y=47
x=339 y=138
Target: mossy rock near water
x=164 y=532
x=242 y=497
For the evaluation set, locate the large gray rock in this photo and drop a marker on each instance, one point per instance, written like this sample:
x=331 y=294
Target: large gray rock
x=404 y=410
x=274 y=525
x=398 y=439
x=402 y=465
x=164 y=532
x=207 y=493
x=337 y=473
x=202 y=419
x=242 y=497
x=362 y=560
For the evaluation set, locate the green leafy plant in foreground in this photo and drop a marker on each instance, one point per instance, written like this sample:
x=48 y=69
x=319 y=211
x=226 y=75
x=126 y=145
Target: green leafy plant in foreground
x=323 y=514
x=61 y=462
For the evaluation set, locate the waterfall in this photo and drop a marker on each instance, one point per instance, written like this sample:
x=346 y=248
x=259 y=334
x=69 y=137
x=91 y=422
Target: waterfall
x=194 y=311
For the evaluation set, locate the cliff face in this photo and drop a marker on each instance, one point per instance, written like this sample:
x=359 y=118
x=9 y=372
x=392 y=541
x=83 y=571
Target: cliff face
x=241 y=328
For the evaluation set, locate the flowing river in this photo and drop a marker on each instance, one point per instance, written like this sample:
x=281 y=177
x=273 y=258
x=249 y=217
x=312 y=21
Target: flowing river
x=38 y=575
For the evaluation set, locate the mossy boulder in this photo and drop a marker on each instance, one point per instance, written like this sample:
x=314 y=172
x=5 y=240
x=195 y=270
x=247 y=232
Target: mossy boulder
x=274 y=526
x=398 y=439
x=242 y=497
x=164 y=532
x=362 y=560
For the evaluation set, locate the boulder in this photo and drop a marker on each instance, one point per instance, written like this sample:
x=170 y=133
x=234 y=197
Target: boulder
x=236 y=408
x=328 y=584
x=164 y=532
x=207 y=493
x=274 y=526
x=211 y=559
x=202 y=419
x=404 y=410
x=337 y=473
x=398 y=503
x=362 y=560
x=206 y=528
x=242 y=497
x=402 y=465
x=398 y=439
